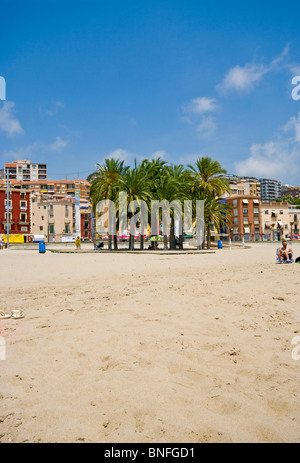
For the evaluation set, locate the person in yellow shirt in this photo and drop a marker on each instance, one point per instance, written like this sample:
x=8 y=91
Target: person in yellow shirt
x=78 y=243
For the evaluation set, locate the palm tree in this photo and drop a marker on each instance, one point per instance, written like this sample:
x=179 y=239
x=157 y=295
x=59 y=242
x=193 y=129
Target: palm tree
x=104 y=185
x=135 y=182
x=167 y=188
x=207 y=176
x=215 y=212
x=207 y=183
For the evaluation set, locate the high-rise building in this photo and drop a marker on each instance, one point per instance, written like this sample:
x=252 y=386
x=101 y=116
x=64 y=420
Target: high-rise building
x=24 y=170
x=270 y=190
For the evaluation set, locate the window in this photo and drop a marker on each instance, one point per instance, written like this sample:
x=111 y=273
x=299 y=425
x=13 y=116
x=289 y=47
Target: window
x=51 y=228
x=41 y=228
x=281 y=212
x=236 y=220
x=246 y=220
x=245 y=211
x=266 y=212
x=10 y=216
x=255 y=210
x=234 y=202
x=66 y=228
x=42 y=217
x=235 y=212
x=23 y=217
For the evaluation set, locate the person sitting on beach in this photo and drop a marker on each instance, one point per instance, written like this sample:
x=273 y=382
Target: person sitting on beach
x=285 y=253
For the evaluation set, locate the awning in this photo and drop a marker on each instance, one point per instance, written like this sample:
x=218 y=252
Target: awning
x=255 y=201
x=245 y=201
x=247 y=230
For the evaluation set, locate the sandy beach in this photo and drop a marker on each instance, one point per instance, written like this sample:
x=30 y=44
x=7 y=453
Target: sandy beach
x=150 y=348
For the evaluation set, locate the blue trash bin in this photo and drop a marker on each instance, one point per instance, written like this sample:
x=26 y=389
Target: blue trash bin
x=220 y=244
x=42 y=247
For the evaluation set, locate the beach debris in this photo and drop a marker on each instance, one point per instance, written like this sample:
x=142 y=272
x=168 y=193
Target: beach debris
x=16 y=313
x=4 y=315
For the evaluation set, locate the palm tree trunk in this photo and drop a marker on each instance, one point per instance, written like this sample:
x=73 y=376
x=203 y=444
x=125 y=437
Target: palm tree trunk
x=172 y=235
x=181 y=241
x=141 y=241
x=208 y=237
x=131 y=242
x=165 y=241
x=115 y=241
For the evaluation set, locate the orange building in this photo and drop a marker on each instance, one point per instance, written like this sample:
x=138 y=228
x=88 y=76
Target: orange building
x=245 y=218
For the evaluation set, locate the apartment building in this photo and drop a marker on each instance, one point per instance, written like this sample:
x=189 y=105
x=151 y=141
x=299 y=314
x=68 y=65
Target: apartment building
x=293 y=191
x=19 y=210
x=244 y=221
x=78 y=188
x=52 y=218
x=279 y=220
x=25 y=170
x=243 y=186
x=270 y=190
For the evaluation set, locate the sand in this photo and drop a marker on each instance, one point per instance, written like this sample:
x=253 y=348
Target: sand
x=150 y=348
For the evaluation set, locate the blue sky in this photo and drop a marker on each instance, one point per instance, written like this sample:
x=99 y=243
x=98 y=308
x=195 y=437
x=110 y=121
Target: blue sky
x=134 y=79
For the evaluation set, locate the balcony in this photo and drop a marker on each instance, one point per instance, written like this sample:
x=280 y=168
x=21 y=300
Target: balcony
x=23 y=208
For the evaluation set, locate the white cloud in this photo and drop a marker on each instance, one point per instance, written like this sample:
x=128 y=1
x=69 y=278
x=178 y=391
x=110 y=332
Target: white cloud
x=244 y=78
x=8 y=122
x=207 y=126
x=26 y=152
x=121 y=154
x=58 y=105
x=58 y=145
x=279 y=158
x=159 y=154
x=293 y=125
x=201 y=105
x=198 y=113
